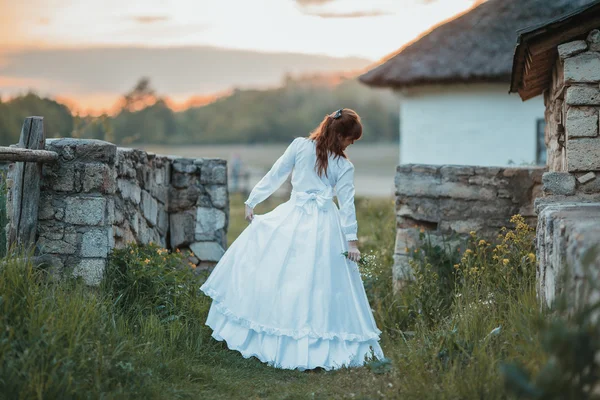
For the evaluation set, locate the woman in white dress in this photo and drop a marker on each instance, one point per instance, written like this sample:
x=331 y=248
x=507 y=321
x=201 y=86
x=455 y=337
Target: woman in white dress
x=284 y=292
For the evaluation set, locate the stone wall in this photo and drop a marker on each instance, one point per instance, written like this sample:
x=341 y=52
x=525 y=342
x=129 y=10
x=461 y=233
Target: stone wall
x=569 y=210
x=99 y=197
x=452 y=200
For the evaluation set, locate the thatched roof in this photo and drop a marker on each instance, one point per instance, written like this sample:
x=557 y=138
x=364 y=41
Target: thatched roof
x=477 y=46
x=537 y=48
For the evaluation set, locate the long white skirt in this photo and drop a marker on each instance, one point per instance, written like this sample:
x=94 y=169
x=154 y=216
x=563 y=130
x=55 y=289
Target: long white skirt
x=284 y=293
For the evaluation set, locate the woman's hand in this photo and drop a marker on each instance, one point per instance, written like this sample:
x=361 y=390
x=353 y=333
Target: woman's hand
x=353 y=252
x=249 y=213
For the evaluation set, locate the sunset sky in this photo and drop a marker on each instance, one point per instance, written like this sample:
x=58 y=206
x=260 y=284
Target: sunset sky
x=369 y=29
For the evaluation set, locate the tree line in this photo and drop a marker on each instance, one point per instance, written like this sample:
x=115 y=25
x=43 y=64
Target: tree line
x=244 y=116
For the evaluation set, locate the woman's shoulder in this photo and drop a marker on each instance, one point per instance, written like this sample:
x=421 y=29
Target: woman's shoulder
x=302 y=139
x=343 y=164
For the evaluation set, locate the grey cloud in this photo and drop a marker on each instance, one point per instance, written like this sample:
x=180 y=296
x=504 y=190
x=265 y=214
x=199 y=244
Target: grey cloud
x=175 y=70
x=313 y=2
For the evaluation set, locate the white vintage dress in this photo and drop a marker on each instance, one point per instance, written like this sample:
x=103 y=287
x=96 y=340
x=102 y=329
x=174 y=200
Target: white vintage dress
x=284 y=292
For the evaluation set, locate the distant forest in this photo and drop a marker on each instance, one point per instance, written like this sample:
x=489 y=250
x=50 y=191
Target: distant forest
x=245 y=116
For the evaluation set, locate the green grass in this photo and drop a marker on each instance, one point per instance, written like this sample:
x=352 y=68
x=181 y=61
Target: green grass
x=142 y=334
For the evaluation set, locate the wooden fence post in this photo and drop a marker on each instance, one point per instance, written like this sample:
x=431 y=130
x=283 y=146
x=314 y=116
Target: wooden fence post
x=26 y=187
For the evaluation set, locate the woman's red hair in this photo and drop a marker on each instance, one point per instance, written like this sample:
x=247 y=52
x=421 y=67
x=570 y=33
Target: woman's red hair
x=334 y=128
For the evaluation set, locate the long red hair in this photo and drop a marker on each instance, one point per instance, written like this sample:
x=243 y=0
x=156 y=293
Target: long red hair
x=330 y=134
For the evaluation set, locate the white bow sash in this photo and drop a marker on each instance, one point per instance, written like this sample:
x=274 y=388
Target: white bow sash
x=308 y=201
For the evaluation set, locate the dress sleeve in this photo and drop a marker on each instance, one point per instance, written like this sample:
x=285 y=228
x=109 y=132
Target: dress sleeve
x=344 y=189
x=278 y=173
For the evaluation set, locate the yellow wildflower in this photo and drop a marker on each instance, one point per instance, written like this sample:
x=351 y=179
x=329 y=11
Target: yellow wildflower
x=531 y=257
x=468 y=251
x=456 y=266
x=192 y=265
x=147 y=261
x=505 y=261
x=473 y=233
x=482 y=242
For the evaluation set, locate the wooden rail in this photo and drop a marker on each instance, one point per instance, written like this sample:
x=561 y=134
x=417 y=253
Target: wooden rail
x=27 y=155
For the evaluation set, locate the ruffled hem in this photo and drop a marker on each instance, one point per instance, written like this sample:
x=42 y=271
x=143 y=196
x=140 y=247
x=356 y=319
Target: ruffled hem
x=287 y=353
x=293 y=333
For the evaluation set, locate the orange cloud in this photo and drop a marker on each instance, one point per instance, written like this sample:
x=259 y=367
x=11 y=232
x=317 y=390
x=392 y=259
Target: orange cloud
x=149 y=19
x=354 y=14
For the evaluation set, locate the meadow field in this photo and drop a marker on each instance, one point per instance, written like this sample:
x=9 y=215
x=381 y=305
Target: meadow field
x=469 y=327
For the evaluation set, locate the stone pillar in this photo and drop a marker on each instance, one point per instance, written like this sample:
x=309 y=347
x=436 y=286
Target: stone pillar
x=76 y=207
x=569 y=211
x=572 y=104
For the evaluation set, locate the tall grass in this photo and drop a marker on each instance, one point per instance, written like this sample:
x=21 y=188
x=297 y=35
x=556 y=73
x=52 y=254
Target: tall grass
x=141 y=334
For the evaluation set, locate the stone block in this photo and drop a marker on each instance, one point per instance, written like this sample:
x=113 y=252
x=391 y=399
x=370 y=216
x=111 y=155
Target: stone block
x=456 y=172
x=160 y=176
x=590 y=187
x=84 y=150
x=184 y=165
x=583 y=68
x=160 y=193
x=67 y=245
x=98 y=177
x=582 y=122
x=59 y=177
x=181 y=180
x=559 y=183
x=163 y=221
x=50 y=230
x=416 y=185
x=207 y=251
x=583 y=154
x=91 y=270
x=85 y=210
x=183 y=199
x=583 y=179
x=208 y=220
x=182 y=228
x=462 y=226
x=95 y=243
x=130 y=190
x=571 y=49
x=46 y=209
x=593 y=40
x=425 y=169
x=406 y=239
x=481 y=180
x=218 y=195
x=149 y=208
x=583 y=96
x=213 y=172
